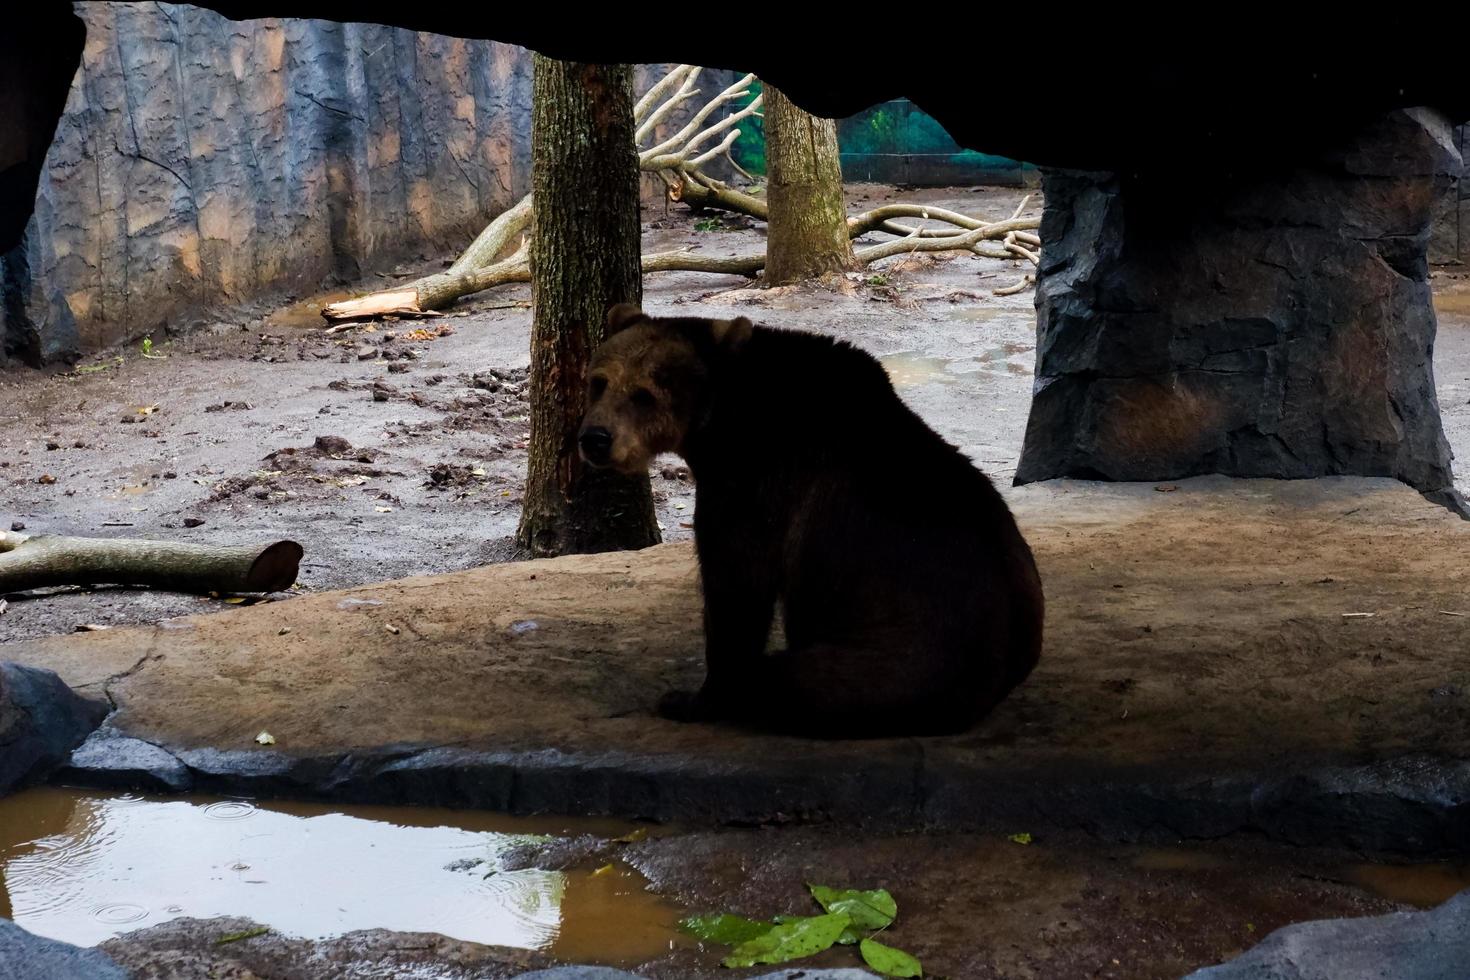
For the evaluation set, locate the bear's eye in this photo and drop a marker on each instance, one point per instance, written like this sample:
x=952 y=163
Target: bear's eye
x=597 y=387
x=643 y=398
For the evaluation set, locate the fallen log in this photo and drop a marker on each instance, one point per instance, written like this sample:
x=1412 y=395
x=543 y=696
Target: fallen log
x=37 y=561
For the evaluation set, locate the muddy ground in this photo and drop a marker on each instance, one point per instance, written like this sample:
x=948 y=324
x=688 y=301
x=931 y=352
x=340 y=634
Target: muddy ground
x=218 y=426
x=212 y=438
x=388 y=452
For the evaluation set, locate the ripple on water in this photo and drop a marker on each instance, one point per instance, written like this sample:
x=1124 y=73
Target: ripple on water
x=229 y=810
x=119 y=913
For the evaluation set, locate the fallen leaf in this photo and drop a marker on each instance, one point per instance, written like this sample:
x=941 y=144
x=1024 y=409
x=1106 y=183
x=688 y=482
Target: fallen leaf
x=46 y=478
x=1019 y=838
x=868 y=910
x=265 y=738
x=383 y=510
x=235 y=937
x=628 y=838
x=889 y=961
x=789 y=941
x=1358 y=615
x=1167 y=487
x=90 y=628
x=724 y=928
x=604 y=870
x=147 y=409
x=235 y=600
x=283 y=631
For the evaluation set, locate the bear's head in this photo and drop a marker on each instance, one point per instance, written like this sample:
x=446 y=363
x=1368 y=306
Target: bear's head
x=647 y=385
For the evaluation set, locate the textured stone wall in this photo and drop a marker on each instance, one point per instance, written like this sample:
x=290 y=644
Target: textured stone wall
x=1280 y=328
x=1449 y=242
x=201 y=162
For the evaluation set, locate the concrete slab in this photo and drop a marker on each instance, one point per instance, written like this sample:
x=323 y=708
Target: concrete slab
x=1284 y=657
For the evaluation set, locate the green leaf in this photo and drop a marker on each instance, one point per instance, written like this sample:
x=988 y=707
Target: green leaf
x=724 y=928
x=1019 y=838
x=849 y=935
x=235 y=937
x=889 y=961
x=868 y=910
x=789 y=941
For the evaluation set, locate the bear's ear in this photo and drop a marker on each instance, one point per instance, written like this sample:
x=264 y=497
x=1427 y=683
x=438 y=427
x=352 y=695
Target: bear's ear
x=621 y=316
x=731 y=335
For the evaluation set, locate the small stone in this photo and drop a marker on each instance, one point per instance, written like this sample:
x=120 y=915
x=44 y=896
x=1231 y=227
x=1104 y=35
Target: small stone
x=52 y=446
x=366 y=353
x=46 y=478
x=170 y=475
x=193 y=522
x=398 y=368
x=379 y=395
x=332 y=445
x=17 y=525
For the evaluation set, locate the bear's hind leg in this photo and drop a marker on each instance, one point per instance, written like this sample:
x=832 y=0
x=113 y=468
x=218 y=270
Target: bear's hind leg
x=829 y=691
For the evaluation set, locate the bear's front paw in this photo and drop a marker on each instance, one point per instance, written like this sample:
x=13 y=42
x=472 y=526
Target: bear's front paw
x=687 y=706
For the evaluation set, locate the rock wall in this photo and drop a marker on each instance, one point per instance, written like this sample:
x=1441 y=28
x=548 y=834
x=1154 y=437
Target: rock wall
x=201 y=162
x=1449 y=242
x=1279 y=327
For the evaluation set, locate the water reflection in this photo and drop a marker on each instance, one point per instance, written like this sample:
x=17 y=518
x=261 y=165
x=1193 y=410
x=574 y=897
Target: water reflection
x=84 y=867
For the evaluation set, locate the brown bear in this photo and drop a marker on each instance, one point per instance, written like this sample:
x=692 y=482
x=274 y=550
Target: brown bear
x=910 y=601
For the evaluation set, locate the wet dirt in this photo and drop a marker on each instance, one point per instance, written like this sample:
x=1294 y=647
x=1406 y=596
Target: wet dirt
x=234 y=442
x=444 y=397
x=440 y=403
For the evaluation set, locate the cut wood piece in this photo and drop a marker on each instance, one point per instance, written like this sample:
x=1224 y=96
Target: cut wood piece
x=42 y=560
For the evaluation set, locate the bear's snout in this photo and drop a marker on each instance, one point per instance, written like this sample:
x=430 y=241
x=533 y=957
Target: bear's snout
x=596 y=443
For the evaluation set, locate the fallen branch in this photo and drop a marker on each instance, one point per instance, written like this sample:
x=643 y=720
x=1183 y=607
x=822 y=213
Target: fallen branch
x=677 y=161
x=37 y=561
x=1026 y=282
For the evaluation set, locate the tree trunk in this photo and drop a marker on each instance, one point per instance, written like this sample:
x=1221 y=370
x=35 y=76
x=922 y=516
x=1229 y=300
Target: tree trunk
x=807 y=234
x=584 y=259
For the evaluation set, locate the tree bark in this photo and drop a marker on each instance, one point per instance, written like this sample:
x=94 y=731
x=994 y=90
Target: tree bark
x=34 y=562
x=584 y=259
x=807 y=232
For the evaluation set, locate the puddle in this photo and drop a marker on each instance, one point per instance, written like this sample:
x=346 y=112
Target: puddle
x=1423 y=885
x=306 y=314
x=1420 y=885
x=975 y=314
x=907 y=368
x=83 y=867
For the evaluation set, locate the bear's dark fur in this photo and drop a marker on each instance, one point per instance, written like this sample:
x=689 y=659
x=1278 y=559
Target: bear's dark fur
x=910 y=601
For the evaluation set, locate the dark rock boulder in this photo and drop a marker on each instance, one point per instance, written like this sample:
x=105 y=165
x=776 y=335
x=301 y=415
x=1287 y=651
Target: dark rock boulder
x=24 y=956
x=1278 y=327
x=41 y=721
x=1432 y=945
